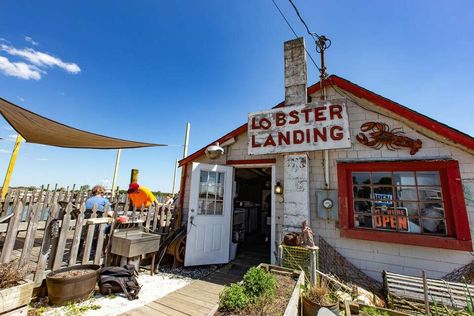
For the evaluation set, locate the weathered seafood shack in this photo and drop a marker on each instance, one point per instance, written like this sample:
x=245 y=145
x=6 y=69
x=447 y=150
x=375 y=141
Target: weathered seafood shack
x=387 y=187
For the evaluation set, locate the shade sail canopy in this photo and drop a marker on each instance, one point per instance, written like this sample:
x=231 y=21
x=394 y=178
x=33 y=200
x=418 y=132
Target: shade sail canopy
x=37 y=129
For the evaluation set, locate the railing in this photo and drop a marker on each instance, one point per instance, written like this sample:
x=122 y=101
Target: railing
x=46 y=230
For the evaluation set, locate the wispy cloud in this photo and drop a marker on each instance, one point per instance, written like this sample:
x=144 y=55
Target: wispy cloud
x=4 y=40
x=40 y=59
x=4 y=151
x=13 y=136
x=31 y=41
x=20 y=98
x=8 y=128
x=19 y=69
x=42 y=159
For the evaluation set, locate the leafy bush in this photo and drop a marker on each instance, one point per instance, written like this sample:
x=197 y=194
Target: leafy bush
x=372 y=311
x=234 y=298
x=258 y=281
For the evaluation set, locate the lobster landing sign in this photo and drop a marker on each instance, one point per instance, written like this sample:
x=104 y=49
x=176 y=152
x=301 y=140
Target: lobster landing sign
x=314 y=126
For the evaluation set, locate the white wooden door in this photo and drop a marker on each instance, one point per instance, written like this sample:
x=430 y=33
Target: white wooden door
x=209 y=215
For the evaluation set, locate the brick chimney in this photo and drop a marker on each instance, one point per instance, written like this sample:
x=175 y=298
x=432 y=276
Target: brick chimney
x=295 y=72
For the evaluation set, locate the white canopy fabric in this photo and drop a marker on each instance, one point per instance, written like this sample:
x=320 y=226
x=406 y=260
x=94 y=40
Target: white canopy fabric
x=37 y=129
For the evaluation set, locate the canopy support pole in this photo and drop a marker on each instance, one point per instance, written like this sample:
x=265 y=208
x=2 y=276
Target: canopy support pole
x=11 y=166
x=174 y=178
x=114 y=180
x=183 y=177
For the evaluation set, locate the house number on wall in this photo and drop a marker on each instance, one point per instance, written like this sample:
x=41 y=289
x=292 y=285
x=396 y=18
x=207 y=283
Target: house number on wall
x=381 y=135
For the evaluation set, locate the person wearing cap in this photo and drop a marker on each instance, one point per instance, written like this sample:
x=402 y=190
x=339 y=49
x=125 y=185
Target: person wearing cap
x=140 y=195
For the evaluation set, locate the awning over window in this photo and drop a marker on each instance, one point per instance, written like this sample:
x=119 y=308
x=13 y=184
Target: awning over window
x=37 y=129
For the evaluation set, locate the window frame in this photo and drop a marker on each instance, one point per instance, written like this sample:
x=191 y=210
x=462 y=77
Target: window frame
x=459 y=235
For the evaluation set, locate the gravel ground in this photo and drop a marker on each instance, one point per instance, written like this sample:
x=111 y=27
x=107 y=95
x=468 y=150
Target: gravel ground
x=153 y=287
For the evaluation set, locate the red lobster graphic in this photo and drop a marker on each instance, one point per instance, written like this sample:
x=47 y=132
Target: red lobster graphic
x=381 y=135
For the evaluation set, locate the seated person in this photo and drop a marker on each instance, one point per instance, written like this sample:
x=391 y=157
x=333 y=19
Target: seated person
x=98 y=199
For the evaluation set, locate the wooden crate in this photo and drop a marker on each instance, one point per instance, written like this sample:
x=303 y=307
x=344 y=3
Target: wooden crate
x=15 y=297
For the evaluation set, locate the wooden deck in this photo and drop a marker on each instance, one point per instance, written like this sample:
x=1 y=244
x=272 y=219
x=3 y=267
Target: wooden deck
x=201 y=297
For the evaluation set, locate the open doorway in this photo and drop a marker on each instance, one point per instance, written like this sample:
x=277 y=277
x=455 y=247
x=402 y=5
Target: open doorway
x=252 y=213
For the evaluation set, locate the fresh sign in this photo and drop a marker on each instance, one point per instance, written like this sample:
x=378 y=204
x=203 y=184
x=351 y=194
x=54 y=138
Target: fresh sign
x=315 y=126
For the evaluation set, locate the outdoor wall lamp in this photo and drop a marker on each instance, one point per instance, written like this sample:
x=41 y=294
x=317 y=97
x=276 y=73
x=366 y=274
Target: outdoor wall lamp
x=278 y=188
x=214 y=151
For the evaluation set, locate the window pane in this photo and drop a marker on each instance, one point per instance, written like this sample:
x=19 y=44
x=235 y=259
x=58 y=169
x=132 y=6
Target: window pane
x=382 y=178
x=434 y=226
x=220 y=178
x=363 y=207
x=414 y=225
x=361 y=178
x=219 y=208
x=433 y=210
x=427 y=178
x=429 y=194
x=203 y=190
x=202 y=209
x=220 y=192
x=362 y=192
x=404 y=178
x=407 y=193
x=385 y=193
x=411 y=207
x=204 y=175
x=361 y=221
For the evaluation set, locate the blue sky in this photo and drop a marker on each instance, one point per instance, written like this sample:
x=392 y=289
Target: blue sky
x=141 y=69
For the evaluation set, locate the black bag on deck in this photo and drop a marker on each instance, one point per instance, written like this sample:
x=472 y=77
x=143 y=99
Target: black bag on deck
x=119 y=280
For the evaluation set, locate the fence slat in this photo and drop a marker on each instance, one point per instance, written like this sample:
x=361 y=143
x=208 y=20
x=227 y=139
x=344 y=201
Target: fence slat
x=89 y=238
x=58 y=256
x=162 y=219
x=9 y=242
x=31 y=232
x=156 y=218
x=76 y=240
x=100 y=244
x=45 y=246
x=149 y=214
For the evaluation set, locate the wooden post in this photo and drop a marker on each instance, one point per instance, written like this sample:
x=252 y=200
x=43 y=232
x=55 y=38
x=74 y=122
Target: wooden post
x=12 y=231
x=58 y=256
x=31 y=231
x=76 y=240
x=45 y=246
x=114 y=179
x=425 y=292
x=11 y=166
x=134 y=175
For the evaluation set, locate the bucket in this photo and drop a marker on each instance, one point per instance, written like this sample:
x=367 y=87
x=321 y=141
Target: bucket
x=72 y=287
x=233 y=250
x=311 y=309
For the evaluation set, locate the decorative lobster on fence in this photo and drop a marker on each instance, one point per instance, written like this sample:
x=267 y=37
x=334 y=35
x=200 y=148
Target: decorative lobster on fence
x=381 y=135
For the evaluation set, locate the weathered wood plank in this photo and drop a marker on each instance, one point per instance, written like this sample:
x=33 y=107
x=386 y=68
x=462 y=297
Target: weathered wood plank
x=9 y=242
x=31 y=233
x=183 y=306
x=192 y=299
x=76 y=239
x=100 y=244
x=164 y=310
x=58 y=256
x=45 y=247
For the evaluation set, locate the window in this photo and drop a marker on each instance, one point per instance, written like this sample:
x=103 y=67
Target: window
x=211 y=193
x=415 y=202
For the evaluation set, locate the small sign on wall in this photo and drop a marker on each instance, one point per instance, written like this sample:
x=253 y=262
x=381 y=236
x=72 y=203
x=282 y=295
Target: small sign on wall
x=314 y=126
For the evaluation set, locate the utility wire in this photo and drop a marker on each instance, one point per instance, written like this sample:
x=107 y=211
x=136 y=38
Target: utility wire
x=296 y=35
x=313 y=34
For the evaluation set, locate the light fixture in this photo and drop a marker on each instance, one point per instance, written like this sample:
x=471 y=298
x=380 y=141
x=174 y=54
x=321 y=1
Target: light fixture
x=214 y=151
x=278 y=188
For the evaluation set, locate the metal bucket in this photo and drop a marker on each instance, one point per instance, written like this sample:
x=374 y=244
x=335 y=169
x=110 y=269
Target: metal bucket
x=62 y=290
x=311 y=309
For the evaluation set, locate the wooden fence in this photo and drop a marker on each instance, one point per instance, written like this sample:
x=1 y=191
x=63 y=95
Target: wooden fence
x=46 y=230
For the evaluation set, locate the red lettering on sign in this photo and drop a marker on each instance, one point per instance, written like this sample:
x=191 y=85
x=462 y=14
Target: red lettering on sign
x=280 y=119
x=306 y=114
x=335 y=110
x=265 y=123
x=298 y=137
x=336 y=133
x=319 y=113
x=269 y=141
x=403 y=223
x=283 y=138
x=318 y=134
x=254 y=143
x=254 y=123
x=308 y=135
x=295 y=118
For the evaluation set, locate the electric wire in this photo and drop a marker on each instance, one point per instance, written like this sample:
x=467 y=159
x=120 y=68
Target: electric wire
x=296 y=35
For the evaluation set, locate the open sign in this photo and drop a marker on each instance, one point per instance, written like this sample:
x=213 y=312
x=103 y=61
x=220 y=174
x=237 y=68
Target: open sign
x=315 y=126
x=391 y=218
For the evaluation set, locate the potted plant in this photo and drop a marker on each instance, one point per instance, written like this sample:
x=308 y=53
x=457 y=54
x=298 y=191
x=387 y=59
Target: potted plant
x=15 y=291
x=316 y=297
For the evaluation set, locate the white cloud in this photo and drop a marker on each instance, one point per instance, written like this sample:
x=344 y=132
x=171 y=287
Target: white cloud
x=4 y=40
x=13 y=136
x=19 y=69
x=20 y=98
x=4 y=151
x=31 y=41
x=41 y=59
x=42 y=159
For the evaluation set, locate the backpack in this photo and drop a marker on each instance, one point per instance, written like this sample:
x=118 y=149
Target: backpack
x=119 y=280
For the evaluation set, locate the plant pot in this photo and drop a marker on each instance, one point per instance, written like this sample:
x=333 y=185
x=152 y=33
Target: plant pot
x=311 y=309
x=71 y=287
x=15 y=297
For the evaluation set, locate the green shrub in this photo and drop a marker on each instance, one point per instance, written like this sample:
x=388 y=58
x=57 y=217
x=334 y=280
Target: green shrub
x=234 y=298
x=372 y=311
x=258 y=282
